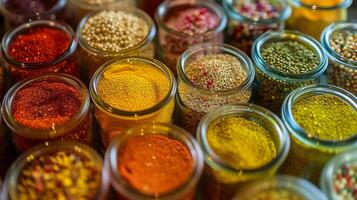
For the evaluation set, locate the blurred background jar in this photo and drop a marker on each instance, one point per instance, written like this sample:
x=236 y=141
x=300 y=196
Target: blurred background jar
x=248 y=19
x=312 y=16
x=284 y=61
x=240 y=143
x=108 y=34
x=340 y=42
x=46 y=108
x=40 y=47
x=172 y=152
x=182 y=24
x=149 y=8
x=321 y=120
x=17 y=12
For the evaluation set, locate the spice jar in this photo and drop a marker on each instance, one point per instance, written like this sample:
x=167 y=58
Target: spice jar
x=240 y=142
x=17 y=12
x=131 y=91
x=312 y=16
x=338 y=177
x=185 y=23
x=285 y=61
x=211 y=75
x=340 y=42
x=280 y=188
x=38 y=47
x=152 y=161
x=321 y=120
x=48 y=107
x=60 y=170
x=248 y=19
x=109 y=34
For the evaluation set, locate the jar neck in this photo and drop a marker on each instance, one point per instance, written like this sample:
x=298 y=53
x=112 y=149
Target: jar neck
x=344 y=4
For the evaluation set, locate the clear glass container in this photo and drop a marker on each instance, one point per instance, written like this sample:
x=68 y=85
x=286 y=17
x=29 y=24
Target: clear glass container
x=243 y=30
x=68 y=62
x=32 y=10
x=294 y=185
x=93 y=58
x=341 y=71
x=171 y=43
x=76 y=128
x=221 y=180
x=186 y=191
x=12 y=176
x=112 y=121
x=312 y=16
x=272 y=85
x=189 y=116
x=308 y=155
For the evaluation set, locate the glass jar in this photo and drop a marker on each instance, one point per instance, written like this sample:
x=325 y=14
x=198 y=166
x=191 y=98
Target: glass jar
x=74 y=128
x=300 y=188
x=93 y=58
x=17 y=12
x=245 y=27
x=308 y=155
x=273 y=85
x=331 y=171
x=124 y=190
x=67 y=62
x=222 y=180
x=190 y=114
x=341 y=71
x=312 y=16
x=87 y=167
x=112 y=121
x=173 y=43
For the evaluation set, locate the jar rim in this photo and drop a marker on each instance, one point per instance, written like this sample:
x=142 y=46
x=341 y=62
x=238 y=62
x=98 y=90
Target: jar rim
x=57 y=130
x=164 y=7
x=171 y=131
x=13 y=173
x=95 y=7
x=212 y=159
x=135 y=11
x=93 y=87
x=285 y=13
x=298 y=132
x=343 y=4
x=309 y=41
x=15 y=32
x=225 y=49
x=326 y=36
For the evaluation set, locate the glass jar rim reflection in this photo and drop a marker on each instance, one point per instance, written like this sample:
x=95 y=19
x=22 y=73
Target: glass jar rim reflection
x=171 y=131
x=93 y=87
x=141 y=14
x=240 y=109
x=167 y=5
x=273 y=36
x=342 y=5
x=298 y=132
x=54 y=131
x=11 y=35
x=100 y=6
x=326 y=37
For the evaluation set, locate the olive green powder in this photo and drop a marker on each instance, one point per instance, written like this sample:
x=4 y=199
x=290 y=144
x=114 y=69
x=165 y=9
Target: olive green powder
x=326 y=117
x=290 y=57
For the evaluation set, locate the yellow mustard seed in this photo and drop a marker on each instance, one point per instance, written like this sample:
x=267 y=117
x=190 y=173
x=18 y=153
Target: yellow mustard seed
x=277 y=194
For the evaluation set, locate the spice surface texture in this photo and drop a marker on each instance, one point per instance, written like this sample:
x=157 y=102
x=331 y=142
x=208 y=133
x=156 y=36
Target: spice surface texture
x=344 y=181
x=276 y=194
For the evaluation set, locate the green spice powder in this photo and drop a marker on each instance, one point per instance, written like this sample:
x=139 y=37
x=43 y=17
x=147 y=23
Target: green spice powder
x=326 y=117
x=241 y=143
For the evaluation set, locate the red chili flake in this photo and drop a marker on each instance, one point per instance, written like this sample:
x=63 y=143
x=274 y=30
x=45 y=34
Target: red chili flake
x=209 y=83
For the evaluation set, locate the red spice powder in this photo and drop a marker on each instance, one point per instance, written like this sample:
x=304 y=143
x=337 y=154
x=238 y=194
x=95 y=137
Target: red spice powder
x=155 y=164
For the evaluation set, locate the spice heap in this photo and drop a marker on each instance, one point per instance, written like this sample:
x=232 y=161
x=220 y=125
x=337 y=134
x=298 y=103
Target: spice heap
x=326 y=117
x=243 y=34
x=155 y=164
x=345 y=181
x=29 y=7
x=277 y=194
x=61 y=174
x=211 y=72
x=240 y=143
x=114 y=31
x=344 y=43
